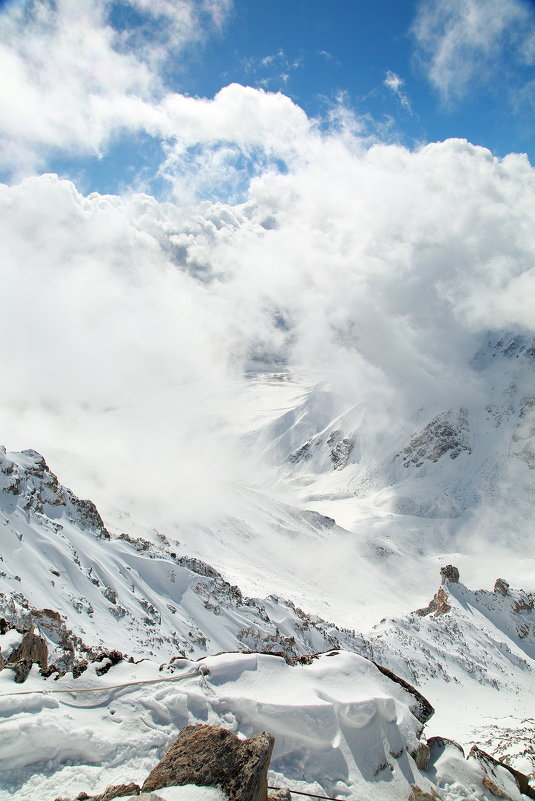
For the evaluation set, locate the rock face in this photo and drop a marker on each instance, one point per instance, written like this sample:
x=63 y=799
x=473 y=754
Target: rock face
x=213 y=757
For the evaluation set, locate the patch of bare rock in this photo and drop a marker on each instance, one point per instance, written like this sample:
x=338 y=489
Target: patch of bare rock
x=207 y=756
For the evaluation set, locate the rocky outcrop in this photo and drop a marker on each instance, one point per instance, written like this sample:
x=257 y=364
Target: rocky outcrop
x=111 y=792
x=501 y=586
x=32 y=649
x=420 y=708
x=36 y=488
x=439 y=604
x=449 y=573
x=492 y=782
x=213 y=757
x=446 y=434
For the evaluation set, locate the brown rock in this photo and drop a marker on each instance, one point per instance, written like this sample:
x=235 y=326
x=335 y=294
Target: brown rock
x=417 y=794
x=213 y=757
x=501 y=586
x=117 y=791
x=490 y=763
x=31 y=649
x=438 y=606
x=421 y=756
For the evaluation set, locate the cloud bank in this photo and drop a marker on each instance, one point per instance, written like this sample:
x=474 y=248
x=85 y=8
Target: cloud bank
x=132 y=322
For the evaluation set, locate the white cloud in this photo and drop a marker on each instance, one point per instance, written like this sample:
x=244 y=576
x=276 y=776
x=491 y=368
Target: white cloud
x=396 y=84
x=71 y=81
x=466 y=43
x=130 y=321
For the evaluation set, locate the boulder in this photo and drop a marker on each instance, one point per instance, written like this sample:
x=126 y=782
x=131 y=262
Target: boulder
x=212 y=757
x=31 y=649
x=421 y=756
x=449 y=573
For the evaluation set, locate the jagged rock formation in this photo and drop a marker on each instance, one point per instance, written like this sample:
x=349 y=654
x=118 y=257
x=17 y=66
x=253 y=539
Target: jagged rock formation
x=446 y=434
x=213 y=757
x=36 y=489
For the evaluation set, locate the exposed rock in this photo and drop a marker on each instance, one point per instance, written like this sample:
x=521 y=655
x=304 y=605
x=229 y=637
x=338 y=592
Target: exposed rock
x=501 y=586
x=117 y=791
x=447 y=433
x=438 y=605
x=112 y=658
x=111 y=792
x=2 y=661
x=283 y=794
x=449 y=573
x=490 y=763
x=31 y=649
x=421 y=708
x=417 y=794
x=341 y=448
x=421 y=756
x=437 y=745
x=79 y=667
x=213 y=757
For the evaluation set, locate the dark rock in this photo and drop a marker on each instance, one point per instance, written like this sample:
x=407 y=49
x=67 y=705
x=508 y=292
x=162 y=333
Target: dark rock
x=449 y=573
x=420 y=708
x=490 y=763
x=112 y=657
x=501 y=586
x=437 y=745
x=79 y=667
x=213 y=757
x=2 y=661
x=22 y=670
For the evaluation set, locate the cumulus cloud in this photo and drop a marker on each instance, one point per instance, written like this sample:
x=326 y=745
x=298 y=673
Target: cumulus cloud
x=132 y=322
x=72 y=80
x=462 y=44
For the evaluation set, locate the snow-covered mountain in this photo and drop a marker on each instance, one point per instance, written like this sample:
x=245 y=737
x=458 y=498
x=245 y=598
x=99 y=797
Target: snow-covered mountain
x=92 y=590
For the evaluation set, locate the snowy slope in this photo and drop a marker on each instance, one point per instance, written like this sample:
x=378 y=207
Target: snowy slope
x=341 y=727
x=88 y=591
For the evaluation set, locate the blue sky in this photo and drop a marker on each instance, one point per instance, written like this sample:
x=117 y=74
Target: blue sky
x=404 y=71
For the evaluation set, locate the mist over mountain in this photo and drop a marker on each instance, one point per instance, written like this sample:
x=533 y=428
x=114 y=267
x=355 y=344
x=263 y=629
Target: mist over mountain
x=267 y=379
